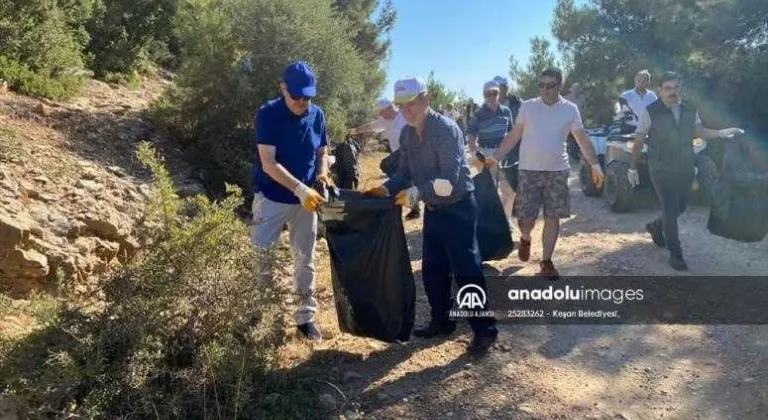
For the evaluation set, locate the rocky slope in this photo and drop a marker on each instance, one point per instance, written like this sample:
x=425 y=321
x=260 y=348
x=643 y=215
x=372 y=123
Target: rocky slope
x=71 y=190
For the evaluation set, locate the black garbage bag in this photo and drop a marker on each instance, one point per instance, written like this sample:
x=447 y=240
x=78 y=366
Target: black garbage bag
x=347 y=166
x=739 y=202
x=390 y=164
x=493 y=232
x=373 y=284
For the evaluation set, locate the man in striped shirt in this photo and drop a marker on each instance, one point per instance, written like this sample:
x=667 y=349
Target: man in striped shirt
x=487 y=128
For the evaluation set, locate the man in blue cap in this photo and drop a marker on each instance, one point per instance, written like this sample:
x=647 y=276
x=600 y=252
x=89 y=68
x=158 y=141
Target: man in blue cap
x=433 y=168
x=291 y=143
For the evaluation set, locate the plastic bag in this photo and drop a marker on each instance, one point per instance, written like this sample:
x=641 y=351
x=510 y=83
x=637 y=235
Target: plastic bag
x=373 y=284
x=739 y=202
x=493 y=233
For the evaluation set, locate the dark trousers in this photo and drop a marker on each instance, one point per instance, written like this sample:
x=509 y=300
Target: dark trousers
x=673 y=190
x=450 y=251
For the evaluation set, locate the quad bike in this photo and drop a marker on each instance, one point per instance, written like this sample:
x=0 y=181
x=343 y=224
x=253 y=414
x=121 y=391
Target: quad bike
x=619 y=130
x=613 y=146
x=621 y=197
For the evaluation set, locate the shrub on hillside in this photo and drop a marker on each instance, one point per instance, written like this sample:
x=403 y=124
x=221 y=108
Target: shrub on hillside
x=41 y=45
x=233 y=55
x=125 y=34
x=185 y=331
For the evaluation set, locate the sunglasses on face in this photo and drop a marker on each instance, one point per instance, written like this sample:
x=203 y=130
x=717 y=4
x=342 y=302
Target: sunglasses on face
x=548 y=85
x=491 y=94
x=299 y=97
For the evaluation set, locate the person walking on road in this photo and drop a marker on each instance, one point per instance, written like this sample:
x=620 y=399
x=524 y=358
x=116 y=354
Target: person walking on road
x=391 y=122
x=433 y=168
x=670 y=125
x=486 y=130
x=291 y=140
x=542 y=128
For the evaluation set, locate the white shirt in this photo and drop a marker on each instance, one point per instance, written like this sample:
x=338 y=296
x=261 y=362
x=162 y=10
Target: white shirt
x=644 y=125
x=638 y=103
x=391 y=129
x=545 y=131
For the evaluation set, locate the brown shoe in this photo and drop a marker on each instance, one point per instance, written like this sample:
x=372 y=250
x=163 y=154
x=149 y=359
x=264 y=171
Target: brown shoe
x=524 y=250
x=548 y=270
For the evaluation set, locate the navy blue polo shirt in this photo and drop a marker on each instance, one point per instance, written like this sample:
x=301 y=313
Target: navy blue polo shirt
x=296 y=139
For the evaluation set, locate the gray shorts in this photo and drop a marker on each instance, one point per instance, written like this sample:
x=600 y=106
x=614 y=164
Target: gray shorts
x=547 y=189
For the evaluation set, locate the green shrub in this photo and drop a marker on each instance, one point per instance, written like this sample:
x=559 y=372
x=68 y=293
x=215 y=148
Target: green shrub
x=41 y=44
x=233 y=55
x=23 y=80
x=184 y=331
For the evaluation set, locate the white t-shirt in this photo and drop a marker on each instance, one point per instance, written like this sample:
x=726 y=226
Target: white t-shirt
x=391 y=129
x=638 y=103
x=545 y=132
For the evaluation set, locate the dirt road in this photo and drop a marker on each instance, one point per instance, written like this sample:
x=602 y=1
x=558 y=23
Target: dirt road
x=568 y=372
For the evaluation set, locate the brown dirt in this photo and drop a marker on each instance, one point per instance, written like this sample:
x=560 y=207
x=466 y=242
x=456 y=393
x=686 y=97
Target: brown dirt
x=566 y=372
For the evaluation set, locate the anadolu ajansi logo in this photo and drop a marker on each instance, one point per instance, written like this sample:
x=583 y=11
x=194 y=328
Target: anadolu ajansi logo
x=471 y=296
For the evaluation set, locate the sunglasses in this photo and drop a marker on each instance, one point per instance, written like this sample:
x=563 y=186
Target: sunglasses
x=491 y=94
x=550 y=85
x=299 y=97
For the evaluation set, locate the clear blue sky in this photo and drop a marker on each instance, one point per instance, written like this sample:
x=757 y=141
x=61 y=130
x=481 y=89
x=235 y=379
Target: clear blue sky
x=465 y=43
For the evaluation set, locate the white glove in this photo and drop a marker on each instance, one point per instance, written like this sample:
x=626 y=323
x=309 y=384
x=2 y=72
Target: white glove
x=730 y=132
x=633 y=177
x=443 y=187
x=596 y=167
x=310 y=199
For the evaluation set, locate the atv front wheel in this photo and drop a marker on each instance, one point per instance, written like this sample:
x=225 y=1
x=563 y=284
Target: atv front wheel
x=618 y=193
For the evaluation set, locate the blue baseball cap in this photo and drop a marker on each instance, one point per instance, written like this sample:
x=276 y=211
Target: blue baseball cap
x=300 y=80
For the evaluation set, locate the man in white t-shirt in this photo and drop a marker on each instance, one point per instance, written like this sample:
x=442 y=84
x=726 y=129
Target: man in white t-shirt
x=543 y=125
x=390 y=123
x=639 y=97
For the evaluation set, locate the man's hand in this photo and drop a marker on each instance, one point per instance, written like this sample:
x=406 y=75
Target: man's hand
x=407 y=198
x=380 y=191
x=633 y=177
x=489 y=163
x=310 y=199
x=325 y=179
x=597 y=175
x=730 y=132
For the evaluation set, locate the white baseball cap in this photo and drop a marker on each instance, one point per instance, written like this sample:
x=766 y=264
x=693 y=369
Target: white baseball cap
x=383 y=104
x=492 y=85
x=408 y=89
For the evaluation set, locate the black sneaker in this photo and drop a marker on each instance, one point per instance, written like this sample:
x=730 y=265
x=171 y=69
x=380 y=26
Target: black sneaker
x=435 y=329
x=657 y=234
x=677 y=262
x=481 y=344
x=310 y=331
x=414 y=214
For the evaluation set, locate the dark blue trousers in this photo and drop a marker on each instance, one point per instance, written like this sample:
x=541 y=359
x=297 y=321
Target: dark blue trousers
x=450 y=251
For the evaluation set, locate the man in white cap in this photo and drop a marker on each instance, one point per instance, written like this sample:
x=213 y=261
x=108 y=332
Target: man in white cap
x=486 y=130
x=390 y=123
x=433 y=168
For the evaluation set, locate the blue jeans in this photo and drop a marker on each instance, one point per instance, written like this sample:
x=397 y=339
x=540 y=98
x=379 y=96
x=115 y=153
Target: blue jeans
x=450 y=251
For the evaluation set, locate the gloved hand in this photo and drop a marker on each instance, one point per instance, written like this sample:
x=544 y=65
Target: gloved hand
x=407 y=198
x=325 y=179
x=310 y=199
x=597 y=175
x=489 y=163
x=380 y=191
x=730 y=132
x=633 y=177
x=443 y=187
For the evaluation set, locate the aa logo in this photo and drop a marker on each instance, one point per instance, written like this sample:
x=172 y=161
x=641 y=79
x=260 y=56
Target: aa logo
x=471 y=296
